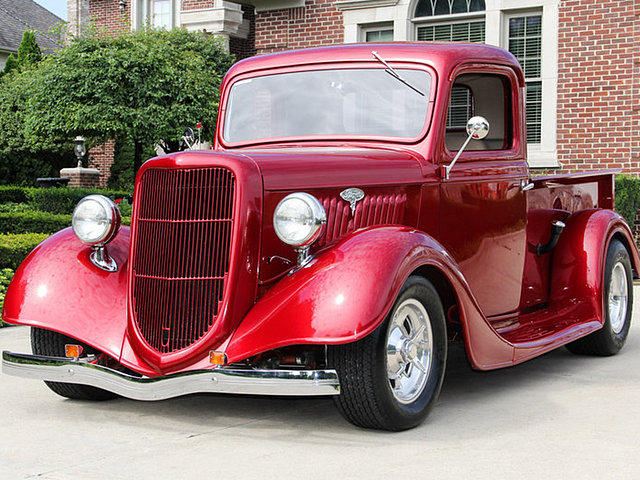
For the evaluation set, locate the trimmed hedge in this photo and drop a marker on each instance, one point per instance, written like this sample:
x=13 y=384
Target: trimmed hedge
x=627 y=197
x=64 y=200
x=13 y=194
x=36 y=222
x=14 y=248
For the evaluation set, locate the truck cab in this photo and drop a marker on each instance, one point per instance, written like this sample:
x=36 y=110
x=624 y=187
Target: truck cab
x=362 y=206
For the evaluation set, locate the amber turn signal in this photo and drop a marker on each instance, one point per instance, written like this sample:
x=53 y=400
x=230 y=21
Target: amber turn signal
x=217 y=358
x=73 y=351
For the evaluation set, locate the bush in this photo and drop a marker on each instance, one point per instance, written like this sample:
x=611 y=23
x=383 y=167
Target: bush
x=6 y=274
x=627 y=197
x=13 y=194
x=64 y=200
x=35 y=222
x=14 y=248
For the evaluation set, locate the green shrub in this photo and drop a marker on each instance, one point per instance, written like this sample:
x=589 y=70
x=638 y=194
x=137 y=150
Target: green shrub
x=14 y=248
x=11 y=207
x=13 y=194
x=35 y=222
x=627 y=197
x=6 y=274
x=64 y=200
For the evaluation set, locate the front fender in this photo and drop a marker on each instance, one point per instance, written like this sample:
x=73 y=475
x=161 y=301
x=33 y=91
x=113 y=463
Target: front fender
x=58 y=288
x=346 y=292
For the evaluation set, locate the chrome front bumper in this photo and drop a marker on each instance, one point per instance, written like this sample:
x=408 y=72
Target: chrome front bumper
x=220 y=380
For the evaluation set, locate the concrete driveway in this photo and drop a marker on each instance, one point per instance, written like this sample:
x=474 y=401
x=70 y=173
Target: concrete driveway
x=558 y=416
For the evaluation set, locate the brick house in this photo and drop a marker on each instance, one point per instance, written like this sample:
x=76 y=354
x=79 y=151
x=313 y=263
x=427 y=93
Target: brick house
x=581 y=57
x=16 y=16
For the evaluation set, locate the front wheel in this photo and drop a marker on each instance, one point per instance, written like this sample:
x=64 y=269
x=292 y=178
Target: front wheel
x=390 y=379
x=51 y=344
x=618 y=302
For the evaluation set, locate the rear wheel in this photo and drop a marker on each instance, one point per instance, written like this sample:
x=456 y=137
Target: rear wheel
x=391 y=378
x=618 y=302
x=51 y=344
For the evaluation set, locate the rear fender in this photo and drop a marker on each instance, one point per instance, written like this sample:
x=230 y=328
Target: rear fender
x=345 y=292
x=577 y=272
x=58 y=288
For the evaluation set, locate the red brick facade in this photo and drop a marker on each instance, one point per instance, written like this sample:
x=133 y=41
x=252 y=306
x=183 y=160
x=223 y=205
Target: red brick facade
x=316 y=24
x=599 y=85
x=101 y=158
x=106 y=15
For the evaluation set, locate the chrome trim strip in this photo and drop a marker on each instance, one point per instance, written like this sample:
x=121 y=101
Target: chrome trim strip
x=220 y=380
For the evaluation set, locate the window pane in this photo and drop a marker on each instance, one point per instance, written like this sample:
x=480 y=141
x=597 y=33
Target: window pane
x=328 y=103
x=379 y=36
x=429 y=8
x=456 y=32
x=534 y=112
x=525 y=42
x=161 y=14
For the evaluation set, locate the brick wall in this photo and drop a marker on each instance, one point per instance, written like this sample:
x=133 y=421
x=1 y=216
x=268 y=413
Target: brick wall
x=101 y=158
x=316 y=24
x=245 y=47
x=106 y=15
x=599 y=85
x=197 y=4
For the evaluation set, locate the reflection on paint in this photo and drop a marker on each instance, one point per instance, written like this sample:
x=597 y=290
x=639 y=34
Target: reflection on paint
x=42 y=291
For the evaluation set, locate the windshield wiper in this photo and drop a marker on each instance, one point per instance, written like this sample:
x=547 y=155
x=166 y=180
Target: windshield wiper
x=394 y=73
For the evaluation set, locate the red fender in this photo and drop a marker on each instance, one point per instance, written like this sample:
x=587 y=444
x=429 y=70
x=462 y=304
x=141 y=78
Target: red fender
x=346 y=292
x=579 y=258
x=58 y=288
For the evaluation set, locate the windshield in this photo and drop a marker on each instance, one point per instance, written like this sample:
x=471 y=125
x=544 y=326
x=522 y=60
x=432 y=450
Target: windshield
x=322 y=103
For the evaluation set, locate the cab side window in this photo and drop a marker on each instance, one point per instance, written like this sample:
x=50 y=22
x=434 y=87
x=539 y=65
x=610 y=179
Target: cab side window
x=480 y=94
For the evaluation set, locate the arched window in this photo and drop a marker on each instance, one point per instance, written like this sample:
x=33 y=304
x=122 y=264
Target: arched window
x=464 y=21
x=431 y=8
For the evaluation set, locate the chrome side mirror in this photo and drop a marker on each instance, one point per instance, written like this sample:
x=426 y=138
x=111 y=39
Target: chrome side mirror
x=477 y=128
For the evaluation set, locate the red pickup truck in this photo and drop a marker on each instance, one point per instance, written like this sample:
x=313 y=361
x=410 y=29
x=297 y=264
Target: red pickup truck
x=362 y=206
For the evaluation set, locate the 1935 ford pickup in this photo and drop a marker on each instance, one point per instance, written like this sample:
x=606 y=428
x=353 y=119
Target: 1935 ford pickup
x=362 y=206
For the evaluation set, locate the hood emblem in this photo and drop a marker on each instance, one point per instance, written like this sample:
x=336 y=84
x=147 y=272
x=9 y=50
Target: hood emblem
x=353 y=196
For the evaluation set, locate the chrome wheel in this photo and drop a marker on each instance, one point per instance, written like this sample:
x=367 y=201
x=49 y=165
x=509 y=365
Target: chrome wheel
x=618 y=293
x=409 y=351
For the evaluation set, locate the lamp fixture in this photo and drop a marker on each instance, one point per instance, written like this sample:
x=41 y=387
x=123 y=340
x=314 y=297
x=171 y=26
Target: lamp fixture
x=122 y=4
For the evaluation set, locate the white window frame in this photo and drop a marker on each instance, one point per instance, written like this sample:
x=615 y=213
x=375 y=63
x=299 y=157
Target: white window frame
x=357 y=13
x=375 y=27
x=141 y=13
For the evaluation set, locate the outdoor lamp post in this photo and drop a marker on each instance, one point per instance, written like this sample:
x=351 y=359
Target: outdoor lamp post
x=80 y=149
x=122 y=4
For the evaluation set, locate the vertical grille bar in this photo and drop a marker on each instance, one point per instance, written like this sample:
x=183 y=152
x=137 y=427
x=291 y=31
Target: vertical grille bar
x=180 y=257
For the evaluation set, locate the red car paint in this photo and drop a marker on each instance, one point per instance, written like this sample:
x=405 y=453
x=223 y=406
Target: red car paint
x=475 y=233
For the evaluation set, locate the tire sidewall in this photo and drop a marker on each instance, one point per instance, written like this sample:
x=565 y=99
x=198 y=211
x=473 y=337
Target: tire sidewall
x=400 y=415
x=617 y=253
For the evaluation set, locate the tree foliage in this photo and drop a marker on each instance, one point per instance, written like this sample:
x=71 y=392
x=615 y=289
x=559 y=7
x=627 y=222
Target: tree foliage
x=21 y=162
x=145 y=86
x=29 y=52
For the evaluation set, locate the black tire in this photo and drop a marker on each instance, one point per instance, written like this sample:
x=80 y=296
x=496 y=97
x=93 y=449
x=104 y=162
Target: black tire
x=613 y=334
x=51 y=344
x=367 y=397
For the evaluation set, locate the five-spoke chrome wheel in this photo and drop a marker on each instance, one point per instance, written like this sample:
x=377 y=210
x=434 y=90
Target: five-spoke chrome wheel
x=409 y=350
x=618 y=297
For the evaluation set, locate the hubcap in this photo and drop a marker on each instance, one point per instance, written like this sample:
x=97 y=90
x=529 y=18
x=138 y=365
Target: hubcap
x=618 y=291
x=409 y=350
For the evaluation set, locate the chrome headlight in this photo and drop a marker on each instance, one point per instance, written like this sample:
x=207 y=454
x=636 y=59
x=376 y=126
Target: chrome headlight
x=96 y=220
x=299 y=219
